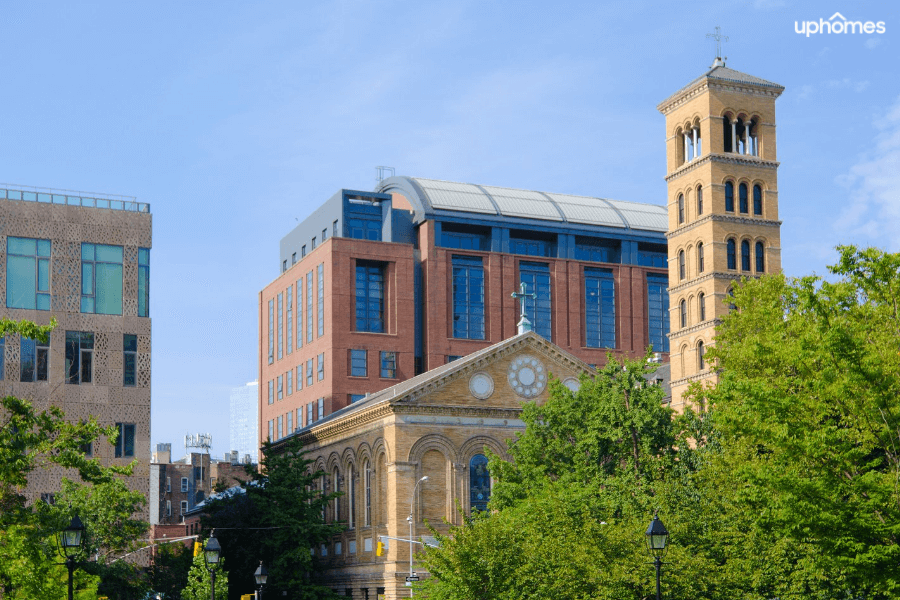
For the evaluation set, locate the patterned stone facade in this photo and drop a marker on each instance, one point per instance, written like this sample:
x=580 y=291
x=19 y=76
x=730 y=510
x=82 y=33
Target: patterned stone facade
x=106 y=399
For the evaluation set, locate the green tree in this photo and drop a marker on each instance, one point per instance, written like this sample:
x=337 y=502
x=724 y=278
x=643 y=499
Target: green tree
x=276 y=518
x=199 y=580
x=169 y=571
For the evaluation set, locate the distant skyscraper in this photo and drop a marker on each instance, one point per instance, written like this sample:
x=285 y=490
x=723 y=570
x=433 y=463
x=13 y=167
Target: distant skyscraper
x=245 y=420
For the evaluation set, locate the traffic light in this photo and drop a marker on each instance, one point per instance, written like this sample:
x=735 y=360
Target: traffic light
x=379 y=549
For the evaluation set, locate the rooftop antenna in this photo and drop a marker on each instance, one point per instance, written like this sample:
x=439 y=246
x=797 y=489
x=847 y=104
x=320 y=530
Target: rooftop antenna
x=720 y=60
x=381 y=173
x=198 y=440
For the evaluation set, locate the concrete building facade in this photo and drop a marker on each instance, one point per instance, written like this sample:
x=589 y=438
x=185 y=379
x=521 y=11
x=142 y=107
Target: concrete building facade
x=83 y=259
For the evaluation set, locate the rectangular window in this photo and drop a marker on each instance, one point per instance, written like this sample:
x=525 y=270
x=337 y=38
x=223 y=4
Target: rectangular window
x=452 y=357
x=280 y=425
x=79 y=357
x=299 y=415
x=309 y=372
x=184 y=506
x=309 y=307
x=271 y=331
x=125 y=441
x=321 y=403
x=293 y=259
x=27 y=273
x=143 y=282
x=290 y=319
x=271 y=430
x=532 y=246
x=303 y=251
x=658 y=312
x=309 y=413
x=290 y=423
x=389 y=365
x=168 y=484
x=299 y=377
x=358 y=363
x=284 y=265
x=290 y=382
x=356 y=397
x=281 y=387
x=271 y=392
x=129 y=360
x=168 y=508
x=334 y=229
x=468 y=298
x=34 y=360
x=184 y=484
x=653 y=255
x=465 y=237
x=599 y=308
x=320 y=304
x=299 y=316
x=324 y=234
x=536 y=277
x=370 y=297
x=320 y=366
x=313 y=244
x=597 y=250
x=101 y=279
x=280 y=326
x=363 y=219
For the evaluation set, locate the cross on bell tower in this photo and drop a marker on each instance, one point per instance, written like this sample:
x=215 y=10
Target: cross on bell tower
x=719 y=39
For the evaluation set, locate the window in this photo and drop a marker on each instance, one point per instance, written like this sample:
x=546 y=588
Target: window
x=468 y=298
x=356 y=397
x=280 y=326
x=271 y=331
x=699 y=200
x=168 y=508
x=732 y=254
x=363 y=220
x=271 y=430
x=745 y=255
x=168 y=484
x=309 y=413
x=452 y=357
x=290 y=319
x=284 y=265
x=320 y=304
x=101 y=279
x=129 y=360
x=680 y=209
x=290 y=382
x=281 y=387
x=280 y=427
x=599 y=308
x=125 y=441
x=742 y=197
x=309 y=307
x=653 y=255
x=184 y=484
x=479 y=483
x=389 y=365
x=464 y=237
x=334 y=229
x=324 y=234
x=701 y=305
x=757 y=200
x=358 y=363
x=700 y=266
x=681 y=265
x=321 y=404
x=320 y=367
x=184 y=506
x=367 y=513
x=303 y=251
x=79 y=357
x=300 y=377
x=313 y=243
x=701 y=358
x=760 y=258
x=658 y=312
x=299 y=318
x=27 y=273
x=536 y=277
x=683 y=307
x=293 y=259
x=530 y=246
x=299 y=417
x=369 y=297
x=598 y=250
x=34 y=361
x=309 y=372
x=729 y=196
x=290 y=423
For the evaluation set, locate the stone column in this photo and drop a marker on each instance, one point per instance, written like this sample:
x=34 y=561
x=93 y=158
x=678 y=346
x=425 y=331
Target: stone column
x=734 y=136
x=696 y=147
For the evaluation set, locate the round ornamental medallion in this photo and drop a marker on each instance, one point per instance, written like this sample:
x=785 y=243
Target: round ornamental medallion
x=527 y=376
x=573 y=384
x=481 y=385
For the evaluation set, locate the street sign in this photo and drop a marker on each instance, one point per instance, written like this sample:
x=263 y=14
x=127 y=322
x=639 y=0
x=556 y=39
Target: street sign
x=413 y=578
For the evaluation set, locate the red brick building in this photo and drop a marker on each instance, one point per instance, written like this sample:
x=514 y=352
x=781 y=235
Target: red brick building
x=377 y=287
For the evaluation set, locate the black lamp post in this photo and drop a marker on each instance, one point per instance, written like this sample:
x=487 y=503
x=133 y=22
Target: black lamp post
x=211 y=552
x=70 y=545
x=261 y=575
x=657 y=536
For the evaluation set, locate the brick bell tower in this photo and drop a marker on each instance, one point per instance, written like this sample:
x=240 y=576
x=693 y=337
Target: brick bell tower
x=721 y=171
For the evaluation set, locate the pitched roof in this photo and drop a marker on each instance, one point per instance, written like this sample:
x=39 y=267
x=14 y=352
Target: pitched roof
x=719 y=72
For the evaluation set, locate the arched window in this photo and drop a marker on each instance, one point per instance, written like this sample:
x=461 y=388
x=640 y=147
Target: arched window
x=699 y=200
x=742 y=193
x=700 y=257
x=367 y=474
x=680 y=209
x=336 y=477
x=701 y=351
x=681 y=265
x=760 y=258
x=701 y=306
x=351 y=508
x=479 y=483
x=729 y=196
x=745 y=255
x=731 y=304
x=683 y=307
x=757 y=200
x=732 y=254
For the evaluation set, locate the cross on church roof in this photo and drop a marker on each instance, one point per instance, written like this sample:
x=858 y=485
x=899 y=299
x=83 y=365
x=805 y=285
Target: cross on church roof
x=719 y=39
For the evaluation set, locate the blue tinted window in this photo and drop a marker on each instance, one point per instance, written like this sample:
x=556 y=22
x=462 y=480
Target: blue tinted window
x=742 y=197
x=653 y=255
x=463 y=241
x=658 y=312
x=599 y=308
x=27 y=273
x=745 y=255
x=309 y=372
x=356 y=398
x=143 y=282
x=370 y=297
x=531 y=247
x=468 y=298
x=309 y=307
x=479 y=483
x=757 y=200
x=729 y=196
x=101 y=279
x=359 y=363
x=732 y=254
x=760 y=258
x=320 y=305
x=34 y=360
x=536 y=277
x=129 y=360
x=597 y=250
x=389 y=365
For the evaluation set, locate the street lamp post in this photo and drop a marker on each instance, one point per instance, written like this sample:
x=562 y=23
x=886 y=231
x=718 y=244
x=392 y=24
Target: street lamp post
x=412 y=501
x=211 y=553
x=657 y=536
x=261 y=575
x=70 y=545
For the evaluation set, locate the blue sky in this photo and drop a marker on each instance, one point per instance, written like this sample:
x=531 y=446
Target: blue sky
x=234 y=120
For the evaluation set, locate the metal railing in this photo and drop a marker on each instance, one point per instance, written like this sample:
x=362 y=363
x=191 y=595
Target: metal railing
x=29 y=193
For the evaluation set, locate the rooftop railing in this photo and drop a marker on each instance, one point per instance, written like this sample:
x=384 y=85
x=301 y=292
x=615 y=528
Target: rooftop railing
x=29 y=193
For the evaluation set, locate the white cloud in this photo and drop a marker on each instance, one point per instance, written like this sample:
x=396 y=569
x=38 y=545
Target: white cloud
x=873 y=213
x=873 y=43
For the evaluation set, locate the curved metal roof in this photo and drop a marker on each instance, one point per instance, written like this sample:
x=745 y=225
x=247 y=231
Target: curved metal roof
x=428 y=197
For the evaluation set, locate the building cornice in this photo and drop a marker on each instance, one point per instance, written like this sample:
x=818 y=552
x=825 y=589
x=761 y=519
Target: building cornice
x=712 y=275
x=703 y=85
x=726 y=158
x=722 y=219
x=709 y=323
